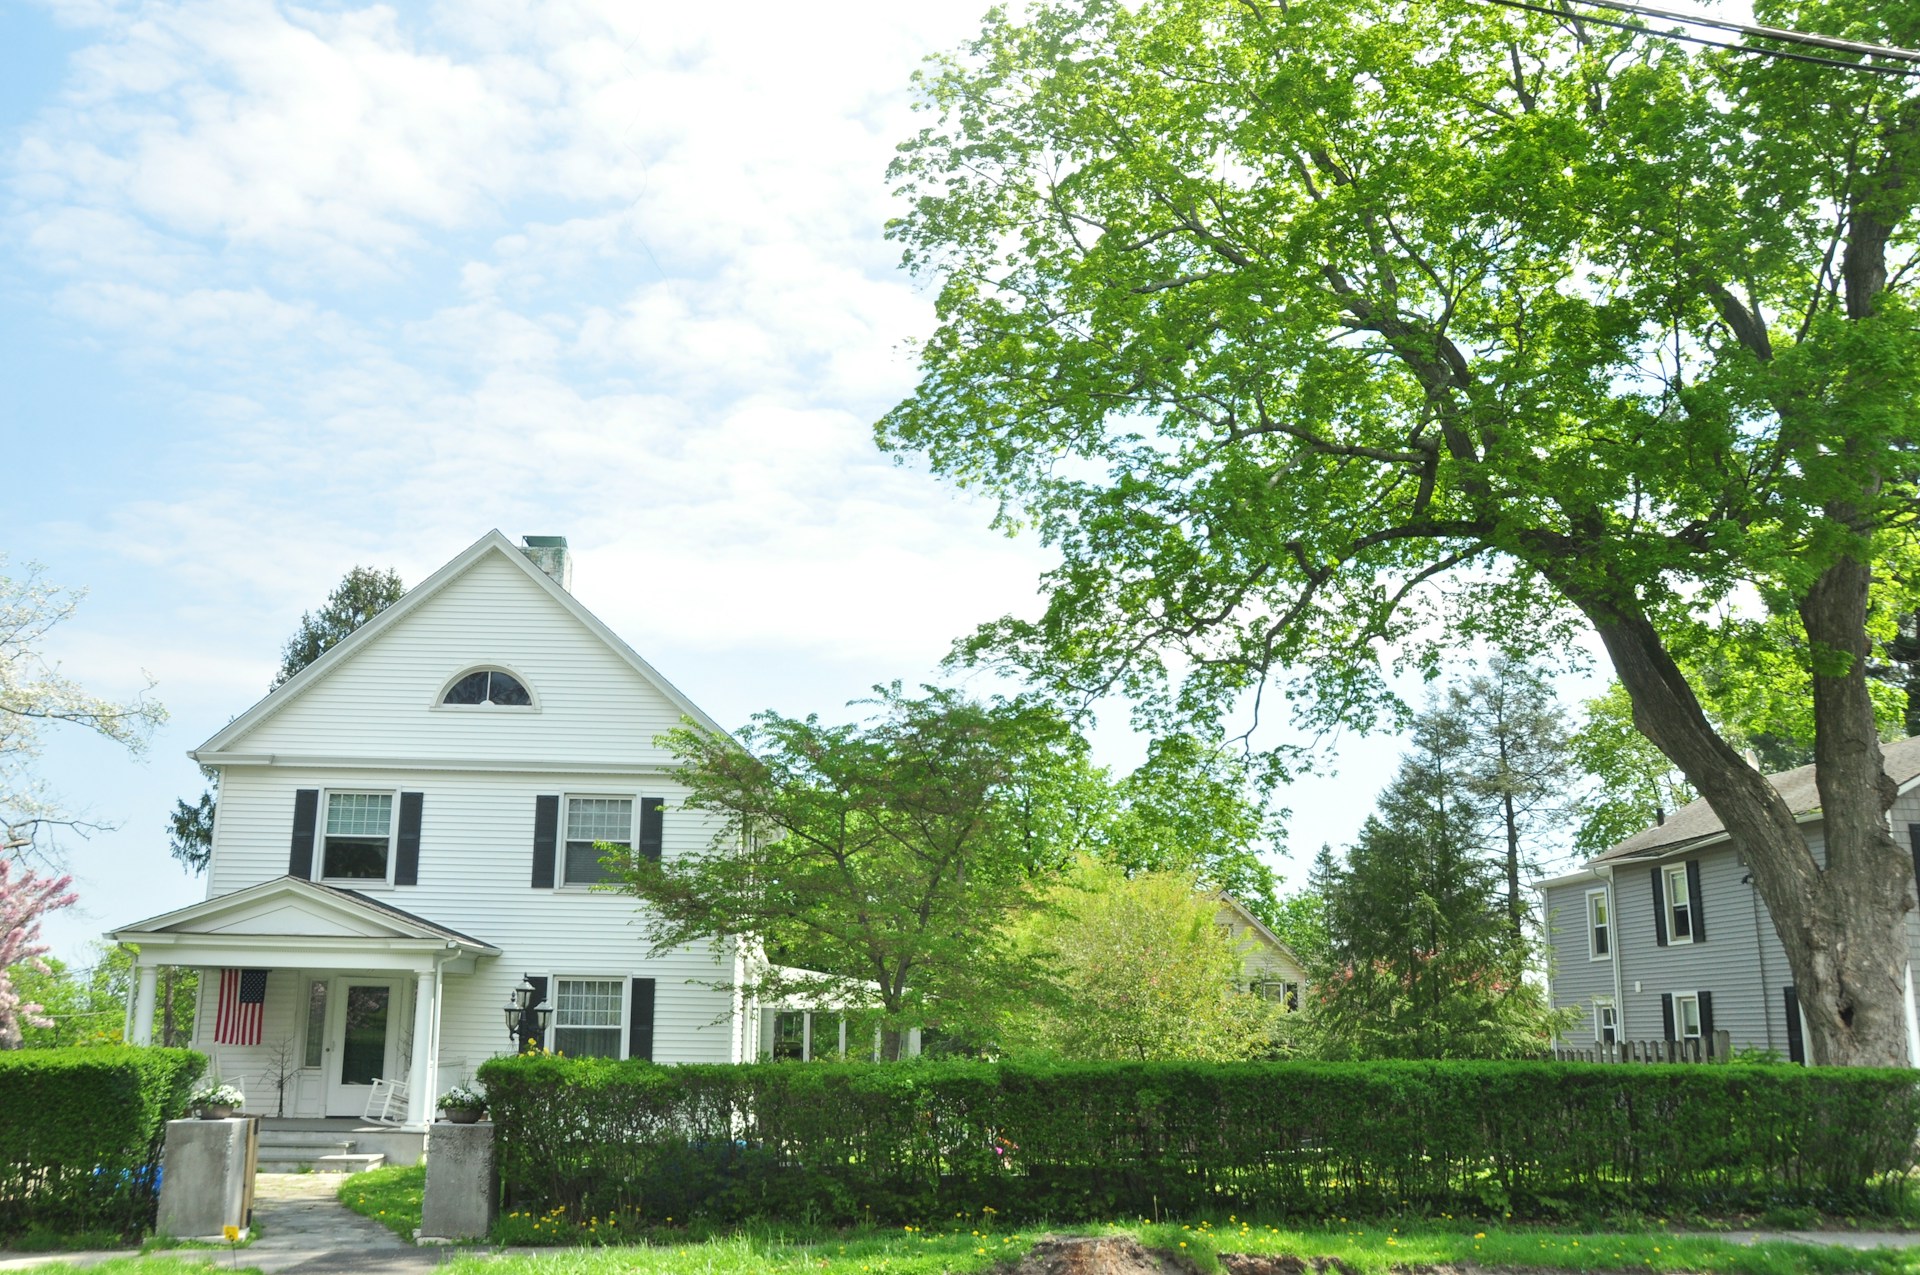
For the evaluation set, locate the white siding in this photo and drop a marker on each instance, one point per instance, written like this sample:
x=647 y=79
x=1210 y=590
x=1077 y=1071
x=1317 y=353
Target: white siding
x=476 y=858
x=379 y=700
x=595 y=712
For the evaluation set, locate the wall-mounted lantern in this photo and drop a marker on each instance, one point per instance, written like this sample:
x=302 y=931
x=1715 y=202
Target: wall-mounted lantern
x=526 y=1017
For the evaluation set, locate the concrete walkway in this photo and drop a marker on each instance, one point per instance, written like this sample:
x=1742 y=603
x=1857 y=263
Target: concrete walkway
x=303 y=1229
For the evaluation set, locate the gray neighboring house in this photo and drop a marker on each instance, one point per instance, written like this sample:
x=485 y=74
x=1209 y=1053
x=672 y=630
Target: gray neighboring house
x=1664 y=937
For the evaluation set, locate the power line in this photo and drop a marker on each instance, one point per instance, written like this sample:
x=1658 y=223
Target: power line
x=1636 y=28
x=1764 y=33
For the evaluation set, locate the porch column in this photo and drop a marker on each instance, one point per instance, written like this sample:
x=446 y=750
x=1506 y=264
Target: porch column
x=417 y=1077
x=143 y=1005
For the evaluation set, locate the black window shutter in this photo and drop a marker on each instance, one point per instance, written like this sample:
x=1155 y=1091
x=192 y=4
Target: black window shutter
x=546 y=837
x=1796 y=1044
x=1913 y=838
x=652 y=826
x=306 y=813
x=1706 y=1020
x=406 y=866
x=538 y=982
x=640 y=1021
x=1660 y=918
x=1695 y=913
x=1666 y=1013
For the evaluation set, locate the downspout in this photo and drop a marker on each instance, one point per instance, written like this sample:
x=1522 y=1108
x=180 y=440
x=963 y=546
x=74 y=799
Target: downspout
x=1605 y=872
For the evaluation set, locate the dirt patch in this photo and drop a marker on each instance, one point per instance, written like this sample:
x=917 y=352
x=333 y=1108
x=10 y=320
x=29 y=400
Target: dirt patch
x=1270 y=1264
x=1096 y=1255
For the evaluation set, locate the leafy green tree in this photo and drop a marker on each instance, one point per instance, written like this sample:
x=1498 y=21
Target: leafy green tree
x=1300 y=920
x=1421 y=960
x=1139 y=969
x=33 y=694
x=87 y=1005
x=887 y=857
x=1196 y=808
x=1636 y=785
x=362 y=593
x=1313 y=336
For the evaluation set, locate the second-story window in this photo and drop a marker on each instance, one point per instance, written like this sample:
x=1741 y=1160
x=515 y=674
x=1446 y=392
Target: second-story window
x=1679 y=904
x=1599 y=931
x=359 y=836
x=592 y=821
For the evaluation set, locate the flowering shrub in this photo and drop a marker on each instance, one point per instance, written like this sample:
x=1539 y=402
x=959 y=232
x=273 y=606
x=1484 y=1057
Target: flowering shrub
x=841 y=1142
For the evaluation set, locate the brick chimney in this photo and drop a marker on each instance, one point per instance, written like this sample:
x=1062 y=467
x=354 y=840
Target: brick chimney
x=549 y=553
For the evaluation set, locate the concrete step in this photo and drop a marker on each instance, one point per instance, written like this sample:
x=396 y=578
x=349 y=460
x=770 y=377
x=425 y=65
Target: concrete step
x=302 y=1138
x=345 y=1163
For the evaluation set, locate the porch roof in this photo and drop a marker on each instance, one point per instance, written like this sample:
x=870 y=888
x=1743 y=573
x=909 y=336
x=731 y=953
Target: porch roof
x=290 y=921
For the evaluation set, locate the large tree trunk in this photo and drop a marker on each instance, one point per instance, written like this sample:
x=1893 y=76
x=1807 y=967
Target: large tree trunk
x=1844 y=926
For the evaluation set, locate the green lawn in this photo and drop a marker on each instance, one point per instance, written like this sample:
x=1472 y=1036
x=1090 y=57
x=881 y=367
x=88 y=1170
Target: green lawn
x=392 y=1196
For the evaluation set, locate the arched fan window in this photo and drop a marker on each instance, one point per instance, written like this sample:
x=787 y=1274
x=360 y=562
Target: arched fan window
x=488 y=686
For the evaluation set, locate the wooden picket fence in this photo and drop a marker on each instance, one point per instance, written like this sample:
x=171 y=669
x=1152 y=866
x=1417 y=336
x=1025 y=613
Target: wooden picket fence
x=1717 y=1048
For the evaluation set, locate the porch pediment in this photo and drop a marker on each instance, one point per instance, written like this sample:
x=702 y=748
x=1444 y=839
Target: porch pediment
x=289 y=921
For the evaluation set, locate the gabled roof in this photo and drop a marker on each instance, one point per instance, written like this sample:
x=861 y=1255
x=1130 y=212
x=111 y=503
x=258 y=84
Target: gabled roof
x=1695 y=823
x=1259 y=927
x=290 y=907
x=491 y=543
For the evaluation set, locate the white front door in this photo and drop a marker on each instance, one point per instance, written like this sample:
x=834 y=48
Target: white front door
x=364 y=1015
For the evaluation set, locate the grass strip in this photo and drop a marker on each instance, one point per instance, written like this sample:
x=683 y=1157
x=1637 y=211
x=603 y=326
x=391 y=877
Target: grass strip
x=390 y=1196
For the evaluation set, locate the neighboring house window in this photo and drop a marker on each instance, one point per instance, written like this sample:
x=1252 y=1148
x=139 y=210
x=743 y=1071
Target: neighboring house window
x=359 y=836
x=1599 y=930
x=790 y=1034
x=1606 y=1021
x=488 y=686
x=1680 y=904
x=591 y=820
x=588 y=1014
x=1686 y=1016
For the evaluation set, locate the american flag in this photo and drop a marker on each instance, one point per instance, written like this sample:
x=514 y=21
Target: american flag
x=243 y=999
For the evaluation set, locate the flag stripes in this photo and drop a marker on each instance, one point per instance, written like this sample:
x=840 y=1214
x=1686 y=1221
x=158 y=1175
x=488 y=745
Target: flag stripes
x=243 y=1001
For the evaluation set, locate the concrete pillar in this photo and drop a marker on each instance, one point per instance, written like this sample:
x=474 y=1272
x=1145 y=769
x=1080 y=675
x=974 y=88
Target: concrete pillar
x=143 y=1005
x=463 y=1189
x=419 y=1071
x=204 y=1189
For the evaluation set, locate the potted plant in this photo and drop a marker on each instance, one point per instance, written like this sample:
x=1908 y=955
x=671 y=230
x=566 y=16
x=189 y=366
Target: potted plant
x=216 y=1099
x=463 y=1104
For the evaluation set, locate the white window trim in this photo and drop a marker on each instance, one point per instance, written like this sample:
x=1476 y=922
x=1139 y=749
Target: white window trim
x=1680 y=1020
x=626 y=1005
x=1600 y=1003
x=1669 y=873
x=393 y=840
x=560 y=848
x=1606 y=902
x=439 y=704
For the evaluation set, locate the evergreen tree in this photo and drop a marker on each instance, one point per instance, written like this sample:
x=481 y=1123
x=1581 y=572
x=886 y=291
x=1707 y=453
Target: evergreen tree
x=1509 y=732
x=1421 y=960
x=362 y=593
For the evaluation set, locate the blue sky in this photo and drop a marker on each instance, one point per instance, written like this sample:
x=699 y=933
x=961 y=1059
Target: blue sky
x=286 y=289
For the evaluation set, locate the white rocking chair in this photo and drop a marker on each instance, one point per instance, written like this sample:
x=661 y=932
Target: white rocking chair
x=387 y=1102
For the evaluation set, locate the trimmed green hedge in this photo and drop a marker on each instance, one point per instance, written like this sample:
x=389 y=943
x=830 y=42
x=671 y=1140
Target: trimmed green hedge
x=900 y=1143
x=81 y=1131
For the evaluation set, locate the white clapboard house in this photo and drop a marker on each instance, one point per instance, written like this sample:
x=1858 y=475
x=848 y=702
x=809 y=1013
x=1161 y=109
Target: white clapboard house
x=405 y=830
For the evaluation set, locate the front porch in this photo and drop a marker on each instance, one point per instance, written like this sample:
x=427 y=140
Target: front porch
x=338 y=1018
